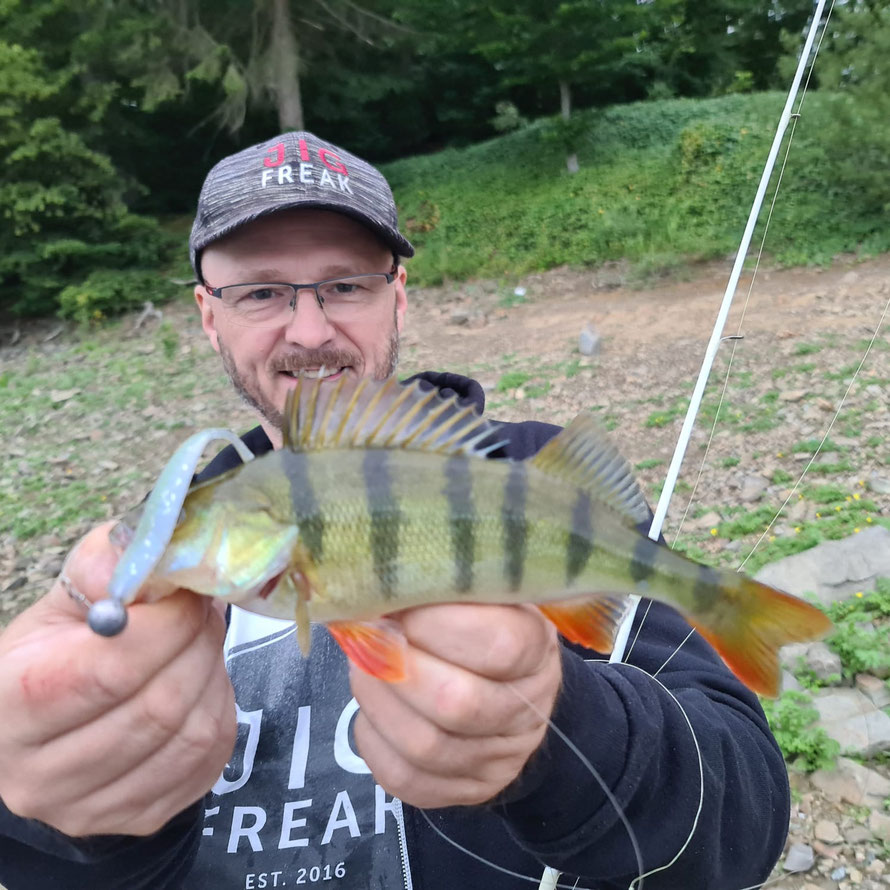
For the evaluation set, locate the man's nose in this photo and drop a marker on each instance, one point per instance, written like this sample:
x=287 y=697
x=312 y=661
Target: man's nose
x=309 y=326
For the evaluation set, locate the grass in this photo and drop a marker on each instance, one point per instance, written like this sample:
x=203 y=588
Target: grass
x=662 y=184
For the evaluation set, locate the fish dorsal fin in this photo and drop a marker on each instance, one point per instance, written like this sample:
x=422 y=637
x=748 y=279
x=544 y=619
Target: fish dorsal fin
x=581 y=454
x=366 y=413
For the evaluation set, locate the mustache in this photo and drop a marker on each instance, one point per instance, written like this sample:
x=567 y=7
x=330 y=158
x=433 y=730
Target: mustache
x=316 y=358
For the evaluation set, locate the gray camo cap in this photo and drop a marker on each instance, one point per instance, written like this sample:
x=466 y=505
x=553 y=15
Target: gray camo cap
x=293 y=170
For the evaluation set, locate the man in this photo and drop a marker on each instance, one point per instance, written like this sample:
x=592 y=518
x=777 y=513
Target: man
x=130 y=762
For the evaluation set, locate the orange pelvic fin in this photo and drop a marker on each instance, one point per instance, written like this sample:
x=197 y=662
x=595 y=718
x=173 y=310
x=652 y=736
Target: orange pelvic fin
x=377 y=647
x=592 y=622
x=765 y=619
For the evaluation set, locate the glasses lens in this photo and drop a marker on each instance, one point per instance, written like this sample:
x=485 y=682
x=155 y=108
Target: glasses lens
x=258 y=303
x=352 y=292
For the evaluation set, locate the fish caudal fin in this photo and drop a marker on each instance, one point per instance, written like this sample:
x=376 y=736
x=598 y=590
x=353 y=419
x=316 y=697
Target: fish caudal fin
x=590 y=622
x=377 y=647
x=764 y=619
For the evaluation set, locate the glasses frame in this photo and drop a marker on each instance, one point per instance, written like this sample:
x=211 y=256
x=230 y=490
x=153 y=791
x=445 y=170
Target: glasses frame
x=313 y=286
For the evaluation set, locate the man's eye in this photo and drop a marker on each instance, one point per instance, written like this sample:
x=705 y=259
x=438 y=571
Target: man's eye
x=263 y=294
x=345 y=287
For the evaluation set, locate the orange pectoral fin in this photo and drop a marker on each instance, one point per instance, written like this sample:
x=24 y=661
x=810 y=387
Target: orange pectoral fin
x=377 y=647
x=592 y=622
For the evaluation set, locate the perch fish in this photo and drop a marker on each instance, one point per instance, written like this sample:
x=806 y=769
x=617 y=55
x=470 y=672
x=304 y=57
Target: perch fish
x=379 y=501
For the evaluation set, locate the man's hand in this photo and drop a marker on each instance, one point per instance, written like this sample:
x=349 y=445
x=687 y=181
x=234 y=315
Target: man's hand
x=456 y=731
x=112 y=736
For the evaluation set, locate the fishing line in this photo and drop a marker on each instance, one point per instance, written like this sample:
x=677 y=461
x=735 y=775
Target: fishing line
x=716 y=334
x=739 y=335
x=840 y=406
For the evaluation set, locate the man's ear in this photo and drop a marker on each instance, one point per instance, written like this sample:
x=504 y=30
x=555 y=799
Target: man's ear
x=401 y=297
x=208 y=322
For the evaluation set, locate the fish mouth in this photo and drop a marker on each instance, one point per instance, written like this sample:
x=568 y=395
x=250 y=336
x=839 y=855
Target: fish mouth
x=269 y=586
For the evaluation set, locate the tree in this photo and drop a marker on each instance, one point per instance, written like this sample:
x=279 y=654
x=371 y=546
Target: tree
x=62 y=200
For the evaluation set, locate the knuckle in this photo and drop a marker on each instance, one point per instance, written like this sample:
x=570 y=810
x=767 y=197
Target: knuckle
x=163 y=709
x=459 y=701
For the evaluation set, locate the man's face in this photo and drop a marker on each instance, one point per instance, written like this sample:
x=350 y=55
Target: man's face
x=300 y=246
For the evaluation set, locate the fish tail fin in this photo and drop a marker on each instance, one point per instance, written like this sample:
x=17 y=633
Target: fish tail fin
x=761 y=620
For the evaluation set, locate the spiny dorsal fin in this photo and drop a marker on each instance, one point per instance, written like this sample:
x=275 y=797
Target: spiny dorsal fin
x=581 y=454
x=368 y=413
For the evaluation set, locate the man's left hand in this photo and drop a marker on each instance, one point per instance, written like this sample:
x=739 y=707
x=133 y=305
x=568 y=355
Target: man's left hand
x=459 y=729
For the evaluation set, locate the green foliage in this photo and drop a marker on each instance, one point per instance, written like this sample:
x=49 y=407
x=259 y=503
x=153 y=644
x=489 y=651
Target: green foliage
x=109 y=292
x=62 y=201
x=804 y=745
x=862 y=631
x=512 y=380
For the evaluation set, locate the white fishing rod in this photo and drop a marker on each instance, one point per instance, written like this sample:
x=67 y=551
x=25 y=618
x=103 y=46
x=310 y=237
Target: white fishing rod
x=717 y=334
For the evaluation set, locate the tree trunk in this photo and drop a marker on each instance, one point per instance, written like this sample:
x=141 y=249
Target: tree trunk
x=285 y=68
x=565 y=108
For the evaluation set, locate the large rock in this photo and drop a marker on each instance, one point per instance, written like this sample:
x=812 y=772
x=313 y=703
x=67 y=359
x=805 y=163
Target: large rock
x=834 y=570
x=853 y=783
x=853 y=721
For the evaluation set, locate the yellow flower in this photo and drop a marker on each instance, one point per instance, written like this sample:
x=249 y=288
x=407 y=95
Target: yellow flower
x=868 y=518
x=837 y=509
x=857 y=497
x=859 y=594
x=779 y=454
x=772 y=537
x=862 y=482
x=855 y=531
x=713 y=531
x=818 y=516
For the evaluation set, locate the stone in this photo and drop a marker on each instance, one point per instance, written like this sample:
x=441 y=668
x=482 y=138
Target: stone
x=459 y=317
x=827 y=832
x=57 y=396
x=852 y=720
x=852 y=783
x=857 y=834
x=879 y=823
x=800 y=857
x=753 y=488
x=878 y=484
x=835 y=570
x=874 y=689
x=822 y=661
x=589 y=341
x=792 y=395
x=710 y=520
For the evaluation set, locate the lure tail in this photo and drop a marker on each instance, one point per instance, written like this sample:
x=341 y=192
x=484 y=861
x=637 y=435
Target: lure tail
x=760 y=620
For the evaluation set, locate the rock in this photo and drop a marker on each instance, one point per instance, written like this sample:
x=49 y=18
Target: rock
x=852 y=720
x=879 y=823
x=800 y=857
x=857 y=834
x=459 y=317
x=838 y=874
x=57 y=396
x=852 y=783
x=822 y=661
x=790 y=682
x=878 y=484
x=874 y=689
x=827 y=832
x=753 y=488
x=792 y=395
x=588 y=341
x=835 y=570
x=710 y=520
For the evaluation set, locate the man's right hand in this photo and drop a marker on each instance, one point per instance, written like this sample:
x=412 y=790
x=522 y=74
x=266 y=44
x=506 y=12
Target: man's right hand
x=112 y=735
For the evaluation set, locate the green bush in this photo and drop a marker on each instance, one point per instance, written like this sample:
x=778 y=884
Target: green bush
x=109 y=292
x=804 y=745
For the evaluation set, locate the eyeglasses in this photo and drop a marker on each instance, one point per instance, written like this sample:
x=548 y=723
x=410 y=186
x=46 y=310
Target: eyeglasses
x=272 y=303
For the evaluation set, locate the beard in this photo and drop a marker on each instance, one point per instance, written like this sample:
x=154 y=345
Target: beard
x=383 y=365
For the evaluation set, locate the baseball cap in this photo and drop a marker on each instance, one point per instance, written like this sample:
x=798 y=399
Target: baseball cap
x=293 y=170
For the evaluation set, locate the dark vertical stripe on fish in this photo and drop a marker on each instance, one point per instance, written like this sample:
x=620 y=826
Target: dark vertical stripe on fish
x=515 y=532
x=642 y=563
x=305 y=504
x=706 y=583
x=462 y=517
x=580 y=537
x=386 y=519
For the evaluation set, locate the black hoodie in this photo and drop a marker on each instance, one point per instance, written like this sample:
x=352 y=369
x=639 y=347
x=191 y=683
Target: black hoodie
x=688 y=758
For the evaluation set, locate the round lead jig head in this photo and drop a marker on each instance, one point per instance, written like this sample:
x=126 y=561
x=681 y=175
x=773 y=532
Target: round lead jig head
x=107 y=617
